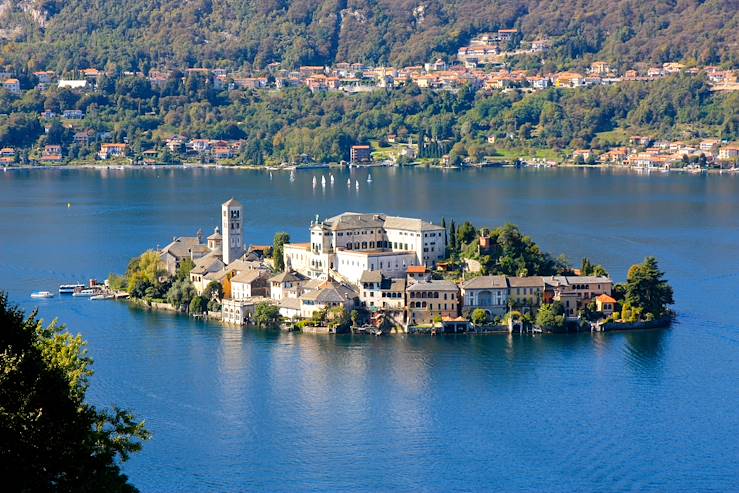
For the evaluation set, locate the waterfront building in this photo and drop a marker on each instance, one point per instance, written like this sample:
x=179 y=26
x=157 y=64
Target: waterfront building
x=351 y=243
x=240 y=312
x=360 y=153
x=428 y=300
x=526 y=293
x=575 y=292
x=489 y=293
x=232 y=217
x=605 y=304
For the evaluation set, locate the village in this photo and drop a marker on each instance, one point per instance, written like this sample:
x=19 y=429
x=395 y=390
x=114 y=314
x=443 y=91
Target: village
x=481 y=64
x=374 y=273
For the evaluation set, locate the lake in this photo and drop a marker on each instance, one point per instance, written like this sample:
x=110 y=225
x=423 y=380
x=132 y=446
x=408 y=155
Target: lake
x=238 y=410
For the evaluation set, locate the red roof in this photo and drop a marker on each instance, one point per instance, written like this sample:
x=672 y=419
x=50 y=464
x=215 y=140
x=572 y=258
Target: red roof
x=417 y=269
x=604 y=298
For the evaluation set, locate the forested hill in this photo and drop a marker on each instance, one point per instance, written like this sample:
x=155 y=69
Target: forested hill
x=137 y=34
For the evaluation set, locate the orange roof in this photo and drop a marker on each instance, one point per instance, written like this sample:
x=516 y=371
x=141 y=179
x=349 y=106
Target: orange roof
x=604 y=298
x=417 y=269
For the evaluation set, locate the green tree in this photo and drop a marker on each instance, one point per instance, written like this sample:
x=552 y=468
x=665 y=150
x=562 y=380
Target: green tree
x=267 y=315
x=277 y=250
x=180 y=294
x=198 y=304
x=466 y=234
x=647 y=289
x=51 y=438
x=183 y=270
x=479 y=316
x=214 y=290
x=452 y=238
x=550 y=317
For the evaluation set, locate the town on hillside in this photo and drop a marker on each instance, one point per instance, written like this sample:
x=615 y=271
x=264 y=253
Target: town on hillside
x=481 y=64
x=378 y=272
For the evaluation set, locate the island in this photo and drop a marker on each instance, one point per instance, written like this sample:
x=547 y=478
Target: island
x=376 y=273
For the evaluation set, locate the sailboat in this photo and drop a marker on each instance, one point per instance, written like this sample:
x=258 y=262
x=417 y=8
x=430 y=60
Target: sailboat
x=323 y=181
x=314 y=182
x=369 y=178
x=332 y=178
x=356 y=184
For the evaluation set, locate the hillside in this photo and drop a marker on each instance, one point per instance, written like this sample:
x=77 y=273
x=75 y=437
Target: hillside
x=136 y=34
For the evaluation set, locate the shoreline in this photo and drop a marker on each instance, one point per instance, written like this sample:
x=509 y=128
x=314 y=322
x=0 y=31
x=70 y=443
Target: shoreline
x=332 y=166
x=215 y=320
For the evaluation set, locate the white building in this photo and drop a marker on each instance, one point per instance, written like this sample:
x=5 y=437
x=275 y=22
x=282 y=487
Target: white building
x=232 y=218
x=489 y=293
x=351 y=243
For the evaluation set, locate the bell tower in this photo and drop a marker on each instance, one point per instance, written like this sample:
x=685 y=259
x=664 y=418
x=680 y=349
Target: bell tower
x=232 y=222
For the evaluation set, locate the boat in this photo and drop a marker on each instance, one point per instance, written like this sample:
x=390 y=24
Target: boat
x=42 y=294
x=86 y=292
x=314 y=182
x=332 y=179
x=369 y=178
x=102 y=297
x=70 y=288
x=323 y=181
x=356 y=184
x=292 y=175
x=270 y=175
x=349 y=182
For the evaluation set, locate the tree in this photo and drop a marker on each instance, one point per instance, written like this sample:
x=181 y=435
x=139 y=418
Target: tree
x=183 y=270
x=355 y=317
x=647 y=289
x=180 y=294
x=452 y=238
x=277 y=250
x=479 y=316
x=550 y=317
x=198 y=304
x=466 y=234
x=51 y=439
x=267 y=315
x=214 y=290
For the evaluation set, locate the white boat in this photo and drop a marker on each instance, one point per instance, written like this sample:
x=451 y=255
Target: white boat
x=270 y=175
x=323 y=181
x=332 y=179
x=102 y=297
x=369 y=178
x=42 y=294
x=86 y=292
x=314 y=182
x=356 y=184
x=70 y=288
x=349 y=182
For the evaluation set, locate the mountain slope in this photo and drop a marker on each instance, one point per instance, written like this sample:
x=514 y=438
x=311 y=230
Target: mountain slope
x=132 y=34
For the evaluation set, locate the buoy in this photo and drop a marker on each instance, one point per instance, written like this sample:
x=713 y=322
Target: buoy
x=69 y=205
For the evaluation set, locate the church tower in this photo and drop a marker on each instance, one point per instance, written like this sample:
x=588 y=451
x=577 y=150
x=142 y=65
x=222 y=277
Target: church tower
x=232 y=220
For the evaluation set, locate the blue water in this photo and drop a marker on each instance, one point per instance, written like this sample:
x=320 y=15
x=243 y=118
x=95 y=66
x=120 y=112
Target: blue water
x=234 y=410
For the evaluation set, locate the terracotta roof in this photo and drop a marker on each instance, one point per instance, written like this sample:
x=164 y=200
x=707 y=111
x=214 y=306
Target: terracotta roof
x=604 y=298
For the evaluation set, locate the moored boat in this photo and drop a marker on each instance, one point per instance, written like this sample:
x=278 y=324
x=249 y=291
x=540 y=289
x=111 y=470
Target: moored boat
x=70 y=288
x=86 y=292
x=42 y=294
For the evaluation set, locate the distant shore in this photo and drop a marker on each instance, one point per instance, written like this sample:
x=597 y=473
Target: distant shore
x=251 y=167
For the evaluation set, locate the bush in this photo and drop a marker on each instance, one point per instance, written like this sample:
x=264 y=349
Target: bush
x=479 y=317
